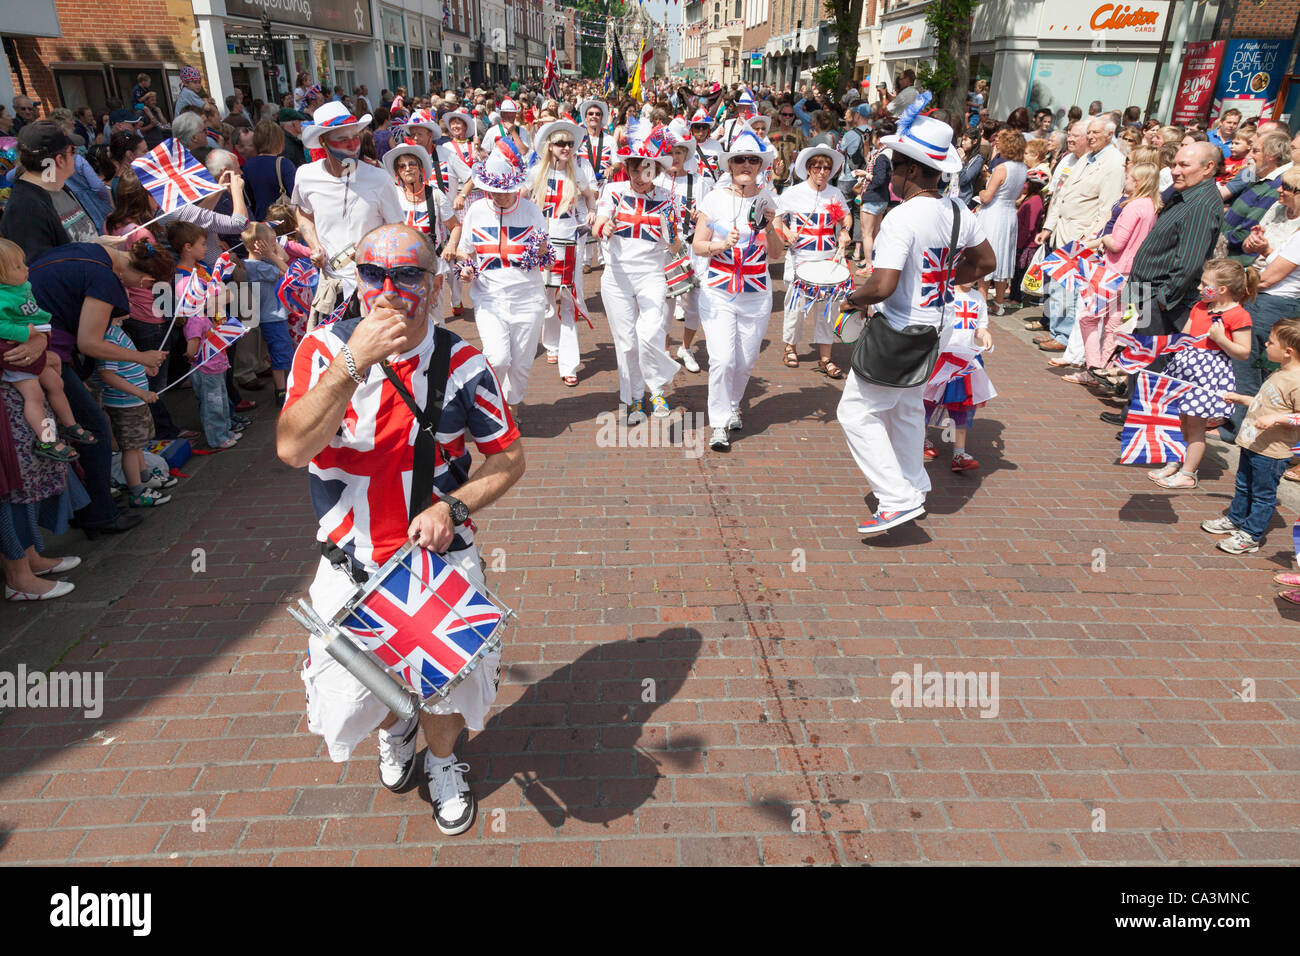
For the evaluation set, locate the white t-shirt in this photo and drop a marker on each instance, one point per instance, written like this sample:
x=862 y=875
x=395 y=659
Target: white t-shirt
x=709 y=153
x=913 y=239
x=640 y=220
x=968 y=312
x=558 y=189
x=494 y=133
x=496 y=241
x=346 y=208
x=417 y=216
x=1290 y=284
x=816 y=218
x=743 y=268
x=455 y=170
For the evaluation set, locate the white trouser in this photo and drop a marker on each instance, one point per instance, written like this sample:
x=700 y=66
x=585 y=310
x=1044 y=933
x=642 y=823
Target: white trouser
x=792 y=321
x=339 y=707
x=559 y=333
x=450 y=297
x=595 y=254
x=508 y=329
x=688 y=306
x=885 y=428
x=734 y=326
x=638 y=320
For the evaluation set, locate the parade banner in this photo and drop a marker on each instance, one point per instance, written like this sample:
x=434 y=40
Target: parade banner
x=1201 y=62
x=1251 y=76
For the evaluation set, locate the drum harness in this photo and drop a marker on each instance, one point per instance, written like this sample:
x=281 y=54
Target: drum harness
x=427 y=449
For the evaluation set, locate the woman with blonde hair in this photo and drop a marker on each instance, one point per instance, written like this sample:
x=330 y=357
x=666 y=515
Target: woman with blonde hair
x=997 y=211
x=1137 y=215
x=564 y=188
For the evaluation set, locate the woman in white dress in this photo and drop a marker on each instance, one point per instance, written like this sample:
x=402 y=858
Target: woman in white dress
x=997 y=212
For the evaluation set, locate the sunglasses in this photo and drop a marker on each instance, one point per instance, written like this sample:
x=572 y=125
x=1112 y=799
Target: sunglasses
x=1284 y=187
x=747 y=160
x=408 y=164
x=816 y=166
x=405 y=276
x=786 y=115
x=563 y=144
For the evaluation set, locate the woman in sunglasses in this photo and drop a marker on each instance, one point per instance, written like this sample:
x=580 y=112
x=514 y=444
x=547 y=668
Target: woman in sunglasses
x=565 y=190
x=733 y=232
x=427 y=207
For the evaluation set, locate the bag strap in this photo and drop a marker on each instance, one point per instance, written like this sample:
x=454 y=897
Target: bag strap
x=437 y=174
x=430 y=208
x=278 y=181
x=427 y=449
x=952 y=247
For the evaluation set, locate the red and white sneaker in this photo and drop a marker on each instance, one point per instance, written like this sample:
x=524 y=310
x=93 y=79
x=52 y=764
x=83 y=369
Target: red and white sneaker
x=885 y=520
x=930 y=452
x=964 y=462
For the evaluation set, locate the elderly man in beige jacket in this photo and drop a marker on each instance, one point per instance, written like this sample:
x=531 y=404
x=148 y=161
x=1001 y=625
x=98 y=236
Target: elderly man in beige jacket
x=1080 y=209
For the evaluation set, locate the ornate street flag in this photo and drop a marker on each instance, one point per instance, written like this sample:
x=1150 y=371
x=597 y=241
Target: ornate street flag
x=551 y=77
x=173 y=177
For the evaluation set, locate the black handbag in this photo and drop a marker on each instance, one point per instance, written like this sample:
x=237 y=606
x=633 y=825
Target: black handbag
x=902 y=358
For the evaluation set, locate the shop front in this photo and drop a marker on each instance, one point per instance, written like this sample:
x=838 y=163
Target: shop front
x=433 y=54
x=905 y=44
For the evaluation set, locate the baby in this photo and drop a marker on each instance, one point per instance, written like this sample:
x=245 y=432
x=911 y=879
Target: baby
x=20 y=316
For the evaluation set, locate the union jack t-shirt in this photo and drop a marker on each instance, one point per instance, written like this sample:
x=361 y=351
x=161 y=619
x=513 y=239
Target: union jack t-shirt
x=640 y=220
x=361 y=481
x=497 y=243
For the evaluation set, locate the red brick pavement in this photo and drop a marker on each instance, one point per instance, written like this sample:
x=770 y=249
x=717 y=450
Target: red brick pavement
x=738 y=586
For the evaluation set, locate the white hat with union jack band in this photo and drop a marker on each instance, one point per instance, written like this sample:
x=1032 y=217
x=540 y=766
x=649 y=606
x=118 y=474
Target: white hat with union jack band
x=929 y=142
x=332 y=118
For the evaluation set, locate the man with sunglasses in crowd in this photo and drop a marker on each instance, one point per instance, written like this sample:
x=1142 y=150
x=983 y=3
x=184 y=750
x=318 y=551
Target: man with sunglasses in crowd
x=347 y=419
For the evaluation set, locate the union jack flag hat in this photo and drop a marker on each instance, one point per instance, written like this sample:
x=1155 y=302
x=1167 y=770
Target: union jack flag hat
x=422 y=118
x=645 y=141
x=702 y=117
x=331 y=118
x=682 y=130
x=928 y=141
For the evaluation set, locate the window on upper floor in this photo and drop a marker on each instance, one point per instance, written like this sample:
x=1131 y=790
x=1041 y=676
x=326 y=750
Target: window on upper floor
x=737 y=9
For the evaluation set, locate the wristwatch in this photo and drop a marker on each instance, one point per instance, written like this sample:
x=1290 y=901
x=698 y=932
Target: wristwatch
x=459 y=512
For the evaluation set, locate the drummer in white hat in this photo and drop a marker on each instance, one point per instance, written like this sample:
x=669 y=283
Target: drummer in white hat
x=689 y=185
x=507 y=127
x=597 y=148
x=501 y=243
x=733 y=232
x=708 y=150
x=916 y=268
x=816 y=226
x=340 y=199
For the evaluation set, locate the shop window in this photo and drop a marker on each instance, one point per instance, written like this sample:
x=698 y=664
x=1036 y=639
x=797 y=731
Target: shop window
x=417 y=72
x=396 y=58
x=124 y=82
x=79 y=88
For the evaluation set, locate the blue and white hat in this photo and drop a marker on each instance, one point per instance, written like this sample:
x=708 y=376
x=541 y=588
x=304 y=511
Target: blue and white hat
x=928 y=141
x=747 y=143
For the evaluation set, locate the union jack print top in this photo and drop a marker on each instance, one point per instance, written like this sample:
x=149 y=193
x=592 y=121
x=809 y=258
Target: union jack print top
x=743 y=268
x=561 y=190
x=417 y=213
x=640 y=235
x=815 y=218
x=497 y=242
x=361 y=481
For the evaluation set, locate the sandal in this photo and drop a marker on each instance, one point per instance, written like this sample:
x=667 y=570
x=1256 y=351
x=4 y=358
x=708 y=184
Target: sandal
x=570 y=380
x=1159 y=474
x=1292 y=474
x=552 y=358
x=55 y=451
x=1179 y=481
x=1292 y=596
x=1077 y=378
x=75 y=433
x=791 y=357
x=829 y=369
x=1288 y=578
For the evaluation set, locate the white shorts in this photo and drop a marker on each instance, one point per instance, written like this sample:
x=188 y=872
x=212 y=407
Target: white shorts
x=340 y=709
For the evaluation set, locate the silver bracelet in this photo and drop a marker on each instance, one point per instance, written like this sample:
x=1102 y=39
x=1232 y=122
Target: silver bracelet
x=351 y=364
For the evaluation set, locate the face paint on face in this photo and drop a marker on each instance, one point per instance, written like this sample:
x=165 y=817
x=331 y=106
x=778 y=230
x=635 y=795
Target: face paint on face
x=392 y=250
x=342 y=148
x=1209 y=292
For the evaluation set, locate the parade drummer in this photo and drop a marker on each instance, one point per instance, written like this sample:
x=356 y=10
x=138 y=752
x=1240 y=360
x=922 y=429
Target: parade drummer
x=689 y=186
x=597 y=148
x=348 y=424
x=814 y=223
x=637 y=219
x=708 y=150
x=917 y=269
x=563 y=185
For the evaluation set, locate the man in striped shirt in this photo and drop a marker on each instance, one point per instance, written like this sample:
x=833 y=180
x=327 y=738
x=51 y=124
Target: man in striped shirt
x=1167 y=268
x=1271 y=155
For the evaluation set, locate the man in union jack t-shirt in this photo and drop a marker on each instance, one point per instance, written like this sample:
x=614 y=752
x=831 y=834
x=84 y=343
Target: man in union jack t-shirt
x=348 y=424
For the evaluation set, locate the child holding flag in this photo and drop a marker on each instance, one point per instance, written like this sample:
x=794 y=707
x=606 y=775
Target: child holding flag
x=126 y=398
x=1268 y=433
x=1225 y=326
x=959 y=384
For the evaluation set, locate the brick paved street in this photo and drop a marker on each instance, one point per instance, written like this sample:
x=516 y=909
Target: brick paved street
x=738 y=585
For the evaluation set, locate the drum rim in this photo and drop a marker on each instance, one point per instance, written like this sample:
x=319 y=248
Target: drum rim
x=842 y=276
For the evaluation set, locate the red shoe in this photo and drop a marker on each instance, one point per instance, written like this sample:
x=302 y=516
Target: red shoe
x=245 y=405
x=964 y=462
x=930 y=453
x=457 y=311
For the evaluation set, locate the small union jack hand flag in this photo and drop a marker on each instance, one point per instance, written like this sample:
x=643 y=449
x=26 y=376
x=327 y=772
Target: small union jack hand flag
x=218 y=338
x=1101 y=285
x=1139 y=351
x=173 y=177
x=1151 y=433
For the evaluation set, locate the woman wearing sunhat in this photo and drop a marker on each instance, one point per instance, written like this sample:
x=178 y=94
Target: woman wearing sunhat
x=707 y=148
x=917 y=266
x=690 y=186
x=565 y=189
x=636 y=220
x=502 y=242
x=426 y=206
x=814 y=223
x=733 y=233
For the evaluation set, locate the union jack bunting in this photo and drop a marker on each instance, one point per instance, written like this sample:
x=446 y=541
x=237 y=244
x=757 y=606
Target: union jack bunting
x=938 y=267
x=426 y=621
x=815 y=233
x=498 y=247
x=641 y=218
x=1151 y=433
x=173 y=177
x=740 y=269
x=219 y=337
x=1139 y=351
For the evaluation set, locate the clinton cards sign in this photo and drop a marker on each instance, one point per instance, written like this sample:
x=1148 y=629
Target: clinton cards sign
x=1074 y=20
x=1251 y=75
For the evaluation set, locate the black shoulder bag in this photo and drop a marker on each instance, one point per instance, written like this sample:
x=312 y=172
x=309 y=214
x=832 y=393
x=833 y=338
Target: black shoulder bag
x=902 y=359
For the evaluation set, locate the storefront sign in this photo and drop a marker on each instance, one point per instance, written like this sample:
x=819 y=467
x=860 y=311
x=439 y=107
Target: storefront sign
x=1251 y=76
x=1072 y=19
x=341 y=16
x=1196 y=83
x=910 y=33
x=756 y=61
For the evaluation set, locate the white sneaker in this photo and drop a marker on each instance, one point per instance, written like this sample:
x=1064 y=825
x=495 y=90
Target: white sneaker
x=733 y=423
x=160 y=481
x=453 y=803
x=719 y=441
x=687 y=358
x=397 y=754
